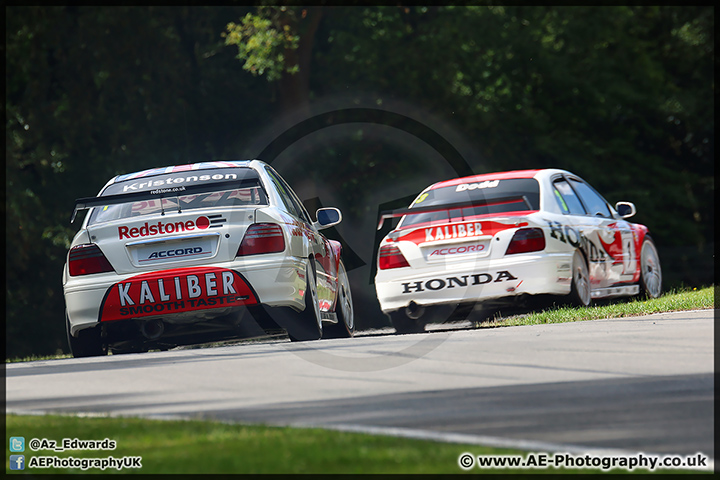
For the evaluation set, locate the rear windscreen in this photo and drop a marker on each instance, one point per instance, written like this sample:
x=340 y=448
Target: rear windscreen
x=249 y=193
x=493 y=196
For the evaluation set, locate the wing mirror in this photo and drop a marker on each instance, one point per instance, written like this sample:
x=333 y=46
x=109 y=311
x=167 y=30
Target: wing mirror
x=625 y=209
x=327 y=217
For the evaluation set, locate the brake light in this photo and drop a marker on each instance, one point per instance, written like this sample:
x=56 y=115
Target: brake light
x=526 y=240
x=262 y=238
x=390 y=256
x=87 y=259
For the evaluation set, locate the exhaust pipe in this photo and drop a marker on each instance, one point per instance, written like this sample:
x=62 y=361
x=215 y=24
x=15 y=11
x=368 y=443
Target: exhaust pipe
x=414 y=311
x=152 y=329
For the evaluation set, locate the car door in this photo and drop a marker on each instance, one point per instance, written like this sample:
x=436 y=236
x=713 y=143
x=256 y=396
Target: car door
x=611 y=247
x=577 y=225
x=318 y=245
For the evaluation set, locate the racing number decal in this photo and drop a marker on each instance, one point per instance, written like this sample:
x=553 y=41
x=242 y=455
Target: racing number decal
x=175 y=291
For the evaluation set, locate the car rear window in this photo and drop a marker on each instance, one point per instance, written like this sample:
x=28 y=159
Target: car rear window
x=510 y=195
x=171 y=186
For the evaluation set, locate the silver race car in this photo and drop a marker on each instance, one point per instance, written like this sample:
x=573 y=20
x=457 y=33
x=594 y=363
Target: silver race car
x=488 y=240
x=182 y=254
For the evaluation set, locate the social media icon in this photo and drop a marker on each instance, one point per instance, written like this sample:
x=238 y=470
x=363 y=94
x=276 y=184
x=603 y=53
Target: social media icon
x=17 y=462
x=17 y=444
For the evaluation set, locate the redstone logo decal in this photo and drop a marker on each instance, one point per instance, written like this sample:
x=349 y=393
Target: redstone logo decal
x=160 y=228
x=175 y=291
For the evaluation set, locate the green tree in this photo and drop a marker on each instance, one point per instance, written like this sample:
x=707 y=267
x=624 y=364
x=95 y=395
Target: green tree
x=277 y=42
x=92 y=92
x=621 y=95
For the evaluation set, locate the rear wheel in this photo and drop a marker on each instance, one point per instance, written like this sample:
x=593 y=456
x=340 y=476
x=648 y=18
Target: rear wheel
x=87 y=343
x=650 y=272
x=308 y=324
x=405 y=324
x=345 y=326
x=580 y=287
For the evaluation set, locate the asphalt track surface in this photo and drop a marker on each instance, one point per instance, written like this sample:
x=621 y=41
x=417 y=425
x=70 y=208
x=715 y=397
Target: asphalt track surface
x=639 y=384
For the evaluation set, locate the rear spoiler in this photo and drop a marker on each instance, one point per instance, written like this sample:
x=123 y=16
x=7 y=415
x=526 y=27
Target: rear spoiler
x=89 y=202
x=449 y=206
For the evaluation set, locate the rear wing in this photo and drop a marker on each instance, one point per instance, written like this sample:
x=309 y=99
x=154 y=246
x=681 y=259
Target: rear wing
x=159 y=193
x=450 y=206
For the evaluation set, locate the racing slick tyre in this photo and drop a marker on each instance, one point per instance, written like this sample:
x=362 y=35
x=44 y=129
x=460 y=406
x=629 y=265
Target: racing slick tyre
x=404 y=324
x=308 y=323
x=87 y=344
x=650 y=271
x=580 y=283
x=345 y=326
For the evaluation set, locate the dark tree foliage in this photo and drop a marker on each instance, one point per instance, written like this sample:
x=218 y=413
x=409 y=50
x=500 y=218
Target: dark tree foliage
x=93 y=92
x=622 y=96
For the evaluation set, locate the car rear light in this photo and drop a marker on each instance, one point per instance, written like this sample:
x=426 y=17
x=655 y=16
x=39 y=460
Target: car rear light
x=526 y=240
x=87 y=259
x=390 y=256
x=262 y=238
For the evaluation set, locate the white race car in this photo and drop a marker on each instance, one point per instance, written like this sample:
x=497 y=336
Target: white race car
x=179 y=255
x=486 y=240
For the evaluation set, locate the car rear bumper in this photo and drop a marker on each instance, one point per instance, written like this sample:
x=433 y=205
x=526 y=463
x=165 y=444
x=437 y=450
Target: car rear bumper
x=108 y=297
x=476 y=280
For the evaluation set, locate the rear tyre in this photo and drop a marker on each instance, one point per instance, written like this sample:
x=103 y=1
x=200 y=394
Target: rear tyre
x=580 y=287
x=650 y=271
x=404 y=324
x=308 y=325
x=345 y=326
x=88 y=342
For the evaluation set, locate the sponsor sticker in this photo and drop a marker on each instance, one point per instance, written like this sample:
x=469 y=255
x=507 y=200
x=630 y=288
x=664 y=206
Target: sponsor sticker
x=459 y=230
x=160 y=228
x=454 y=251
x=151 y=229
x=435 y=284
x=155 y=252
x=175 y=291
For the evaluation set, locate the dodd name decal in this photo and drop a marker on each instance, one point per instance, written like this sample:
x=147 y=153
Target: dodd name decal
x=461 y=281
x=175 y=291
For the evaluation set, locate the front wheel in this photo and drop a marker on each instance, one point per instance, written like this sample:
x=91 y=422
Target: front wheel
x=308 y=325
x=87 y=344
x=345 y=326
x=650 y=272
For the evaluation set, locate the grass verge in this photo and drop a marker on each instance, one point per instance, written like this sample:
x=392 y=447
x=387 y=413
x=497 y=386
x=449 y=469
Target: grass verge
x=673 y=301
x=202 y=447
